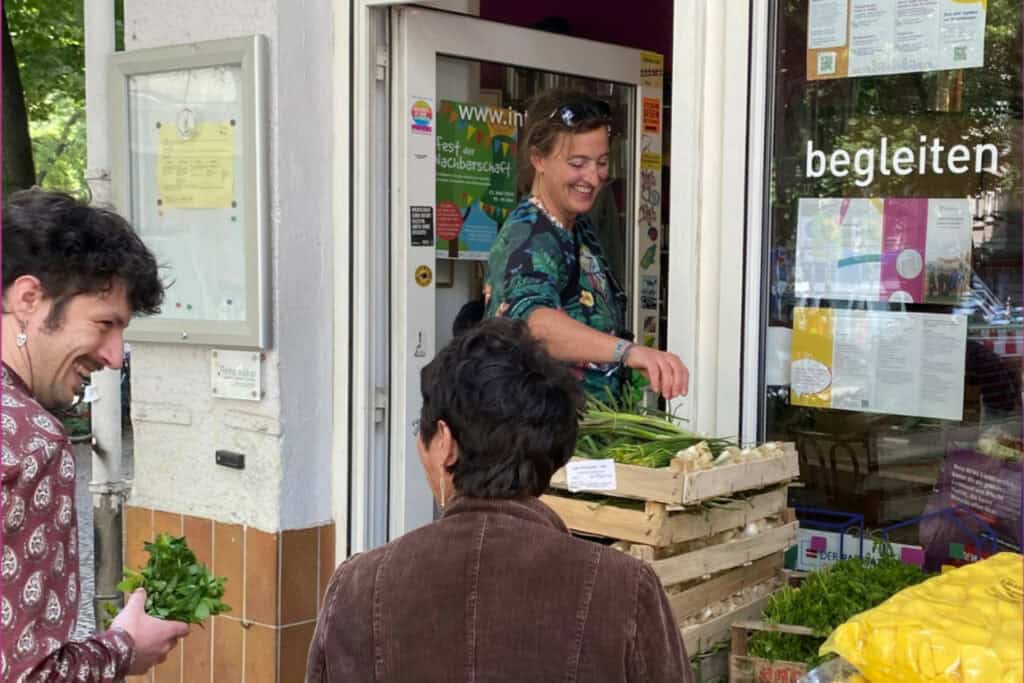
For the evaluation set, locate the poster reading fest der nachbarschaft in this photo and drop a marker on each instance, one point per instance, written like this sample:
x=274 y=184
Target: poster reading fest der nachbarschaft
x=476 y=176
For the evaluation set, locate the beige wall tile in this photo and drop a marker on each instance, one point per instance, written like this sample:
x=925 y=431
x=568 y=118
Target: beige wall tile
x=170 y=670
x=138 y=528
x=228 y=561
x=261 y=654
x=228 y=662
x=299 y=583
x=295 y=642
x=327 y=560
x=166 y=523
x=198 y=533
x=261 y=577
x=196 y=657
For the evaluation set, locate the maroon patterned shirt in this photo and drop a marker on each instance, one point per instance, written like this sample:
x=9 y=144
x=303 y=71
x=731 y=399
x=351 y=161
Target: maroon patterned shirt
x=39 y=569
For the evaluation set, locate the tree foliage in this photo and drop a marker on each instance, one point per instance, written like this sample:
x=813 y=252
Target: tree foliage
x=49 y=42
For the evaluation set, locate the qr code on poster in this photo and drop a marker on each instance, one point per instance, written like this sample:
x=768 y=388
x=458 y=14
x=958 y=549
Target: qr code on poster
x=826 y=63
x=960 y=53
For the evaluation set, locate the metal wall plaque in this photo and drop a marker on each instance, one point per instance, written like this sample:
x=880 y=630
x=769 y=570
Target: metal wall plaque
x=235 y=374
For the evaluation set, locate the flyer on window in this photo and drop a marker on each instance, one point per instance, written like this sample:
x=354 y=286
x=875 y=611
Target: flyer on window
x=847 y=38
x=476 y=176
x=908 y=251
x=879 y=361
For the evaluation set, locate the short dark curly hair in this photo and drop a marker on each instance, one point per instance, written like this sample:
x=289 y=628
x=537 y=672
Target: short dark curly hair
x=74 y=248
x=512 y=409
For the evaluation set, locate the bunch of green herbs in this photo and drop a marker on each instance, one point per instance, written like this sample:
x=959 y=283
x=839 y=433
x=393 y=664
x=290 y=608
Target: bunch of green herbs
x=631 y=433
x=826 y=599
x=178 y=588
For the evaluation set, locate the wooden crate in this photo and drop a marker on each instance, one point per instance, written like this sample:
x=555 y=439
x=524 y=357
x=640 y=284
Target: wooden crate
x=700 y=637
x=711 y=666
x=717 y=558
x=693 y=600
x=657 y=524
x=746 y=669
x=674 y=485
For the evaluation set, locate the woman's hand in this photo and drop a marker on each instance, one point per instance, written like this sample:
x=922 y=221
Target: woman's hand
x=666 y=373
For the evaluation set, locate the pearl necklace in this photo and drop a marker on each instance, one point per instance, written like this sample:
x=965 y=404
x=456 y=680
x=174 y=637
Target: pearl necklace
x=535 y=200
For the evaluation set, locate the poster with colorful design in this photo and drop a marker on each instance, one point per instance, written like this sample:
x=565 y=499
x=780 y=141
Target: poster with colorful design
x=645 y=299
x=889 y=362
x=909 y=251
x=847 y=38
x=476 y=176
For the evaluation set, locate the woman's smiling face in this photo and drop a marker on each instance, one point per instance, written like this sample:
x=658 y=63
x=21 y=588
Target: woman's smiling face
x=570 y=177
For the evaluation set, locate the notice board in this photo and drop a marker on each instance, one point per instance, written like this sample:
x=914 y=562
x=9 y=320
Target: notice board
x=190 y=174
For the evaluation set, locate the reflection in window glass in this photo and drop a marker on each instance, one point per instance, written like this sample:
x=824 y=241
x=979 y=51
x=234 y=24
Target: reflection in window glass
x=894 y=243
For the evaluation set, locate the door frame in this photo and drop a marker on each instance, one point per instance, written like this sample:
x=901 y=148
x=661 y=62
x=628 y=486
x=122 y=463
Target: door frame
x=715 y=245
x=419 y=37
x=740 y=29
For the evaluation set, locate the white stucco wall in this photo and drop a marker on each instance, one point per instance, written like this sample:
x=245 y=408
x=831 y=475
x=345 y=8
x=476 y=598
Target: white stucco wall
x=286 y=437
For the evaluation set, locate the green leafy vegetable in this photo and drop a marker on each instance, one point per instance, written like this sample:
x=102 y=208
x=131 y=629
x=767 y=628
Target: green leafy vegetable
x=177 y=587
x=633 y=434
x=826 y=599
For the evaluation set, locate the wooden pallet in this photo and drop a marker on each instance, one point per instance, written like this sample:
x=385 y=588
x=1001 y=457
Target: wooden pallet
x=746 y=669
x=657 y=525
x=674 y=485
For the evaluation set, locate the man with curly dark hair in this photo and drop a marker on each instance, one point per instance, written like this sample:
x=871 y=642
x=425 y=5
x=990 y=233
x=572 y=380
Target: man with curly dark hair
x=73 y=278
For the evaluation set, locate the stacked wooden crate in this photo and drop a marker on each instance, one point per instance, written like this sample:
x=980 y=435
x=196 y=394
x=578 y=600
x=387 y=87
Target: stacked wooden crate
x=719 y=562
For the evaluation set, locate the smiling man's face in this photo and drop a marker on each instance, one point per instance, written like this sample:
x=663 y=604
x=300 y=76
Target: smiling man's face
x=88 y=337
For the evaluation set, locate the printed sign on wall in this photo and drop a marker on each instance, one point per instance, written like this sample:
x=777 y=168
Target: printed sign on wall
x=476 y=176
x=879 y=361
x=652 y=115
x=872 y=37
x=912 y=250
x=652 y=70
x=196 y=171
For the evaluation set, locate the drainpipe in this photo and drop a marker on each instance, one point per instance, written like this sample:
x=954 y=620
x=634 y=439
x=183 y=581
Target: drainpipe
x=108 y=488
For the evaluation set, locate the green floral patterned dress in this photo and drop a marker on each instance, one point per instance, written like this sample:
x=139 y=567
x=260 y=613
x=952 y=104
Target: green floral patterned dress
x=534 y=263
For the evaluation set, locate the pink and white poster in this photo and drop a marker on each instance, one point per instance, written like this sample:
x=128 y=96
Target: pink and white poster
x=914 y=250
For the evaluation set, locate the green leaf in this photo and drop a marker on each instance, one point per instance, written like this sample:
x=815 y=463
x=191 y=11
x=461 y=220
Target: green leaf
x=178 y=587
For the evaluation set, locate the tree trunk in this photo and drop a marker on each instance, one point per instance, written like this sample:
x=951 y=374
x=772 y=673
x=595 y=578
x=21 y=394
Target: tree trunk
x=18 y=169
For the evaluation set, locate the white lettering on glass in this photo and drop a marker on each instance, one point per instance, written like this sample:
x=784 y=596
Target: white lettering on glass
x=931 y=156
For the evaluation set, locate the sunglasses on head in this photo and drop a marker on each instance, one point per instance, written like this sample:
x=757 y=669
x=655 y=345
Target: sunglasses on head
x=582 y=111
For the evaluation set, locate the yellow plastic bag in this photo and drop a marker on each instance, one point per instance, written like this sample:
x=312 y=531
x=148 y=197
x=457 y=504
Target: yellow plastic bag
x=963 y=626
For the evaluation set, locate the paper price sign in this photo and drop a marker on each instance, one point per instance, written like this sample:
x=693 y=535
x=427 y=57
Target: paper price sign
x=590 y=475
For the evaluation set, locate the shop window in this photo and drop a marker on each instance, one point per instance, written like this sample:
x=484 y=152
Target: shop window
x=892 y=339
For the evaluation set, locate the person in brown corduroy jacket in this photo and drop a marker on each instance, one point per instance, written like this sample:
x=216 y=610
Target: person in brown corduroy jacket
x=497 y=589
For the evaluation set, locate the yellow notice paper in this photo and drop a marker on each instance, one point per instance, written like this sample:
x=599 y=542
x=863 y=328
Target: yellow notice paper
x=197 y=172
x=652 y=69
x=650 y=161
x=811 y=370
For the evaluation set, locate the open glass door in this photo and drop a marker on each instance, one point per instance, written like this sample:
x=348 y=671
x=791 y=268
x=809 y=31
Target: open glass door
x=459 y=90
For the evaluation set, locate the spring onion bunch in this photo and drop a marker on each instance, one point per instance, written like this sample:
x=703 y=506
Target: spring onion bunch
x=637 y=435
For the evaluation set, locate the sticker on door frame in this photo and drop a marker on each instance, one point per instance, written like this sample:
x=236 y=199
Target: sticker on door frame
x=424 y=276
x=421 y=115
